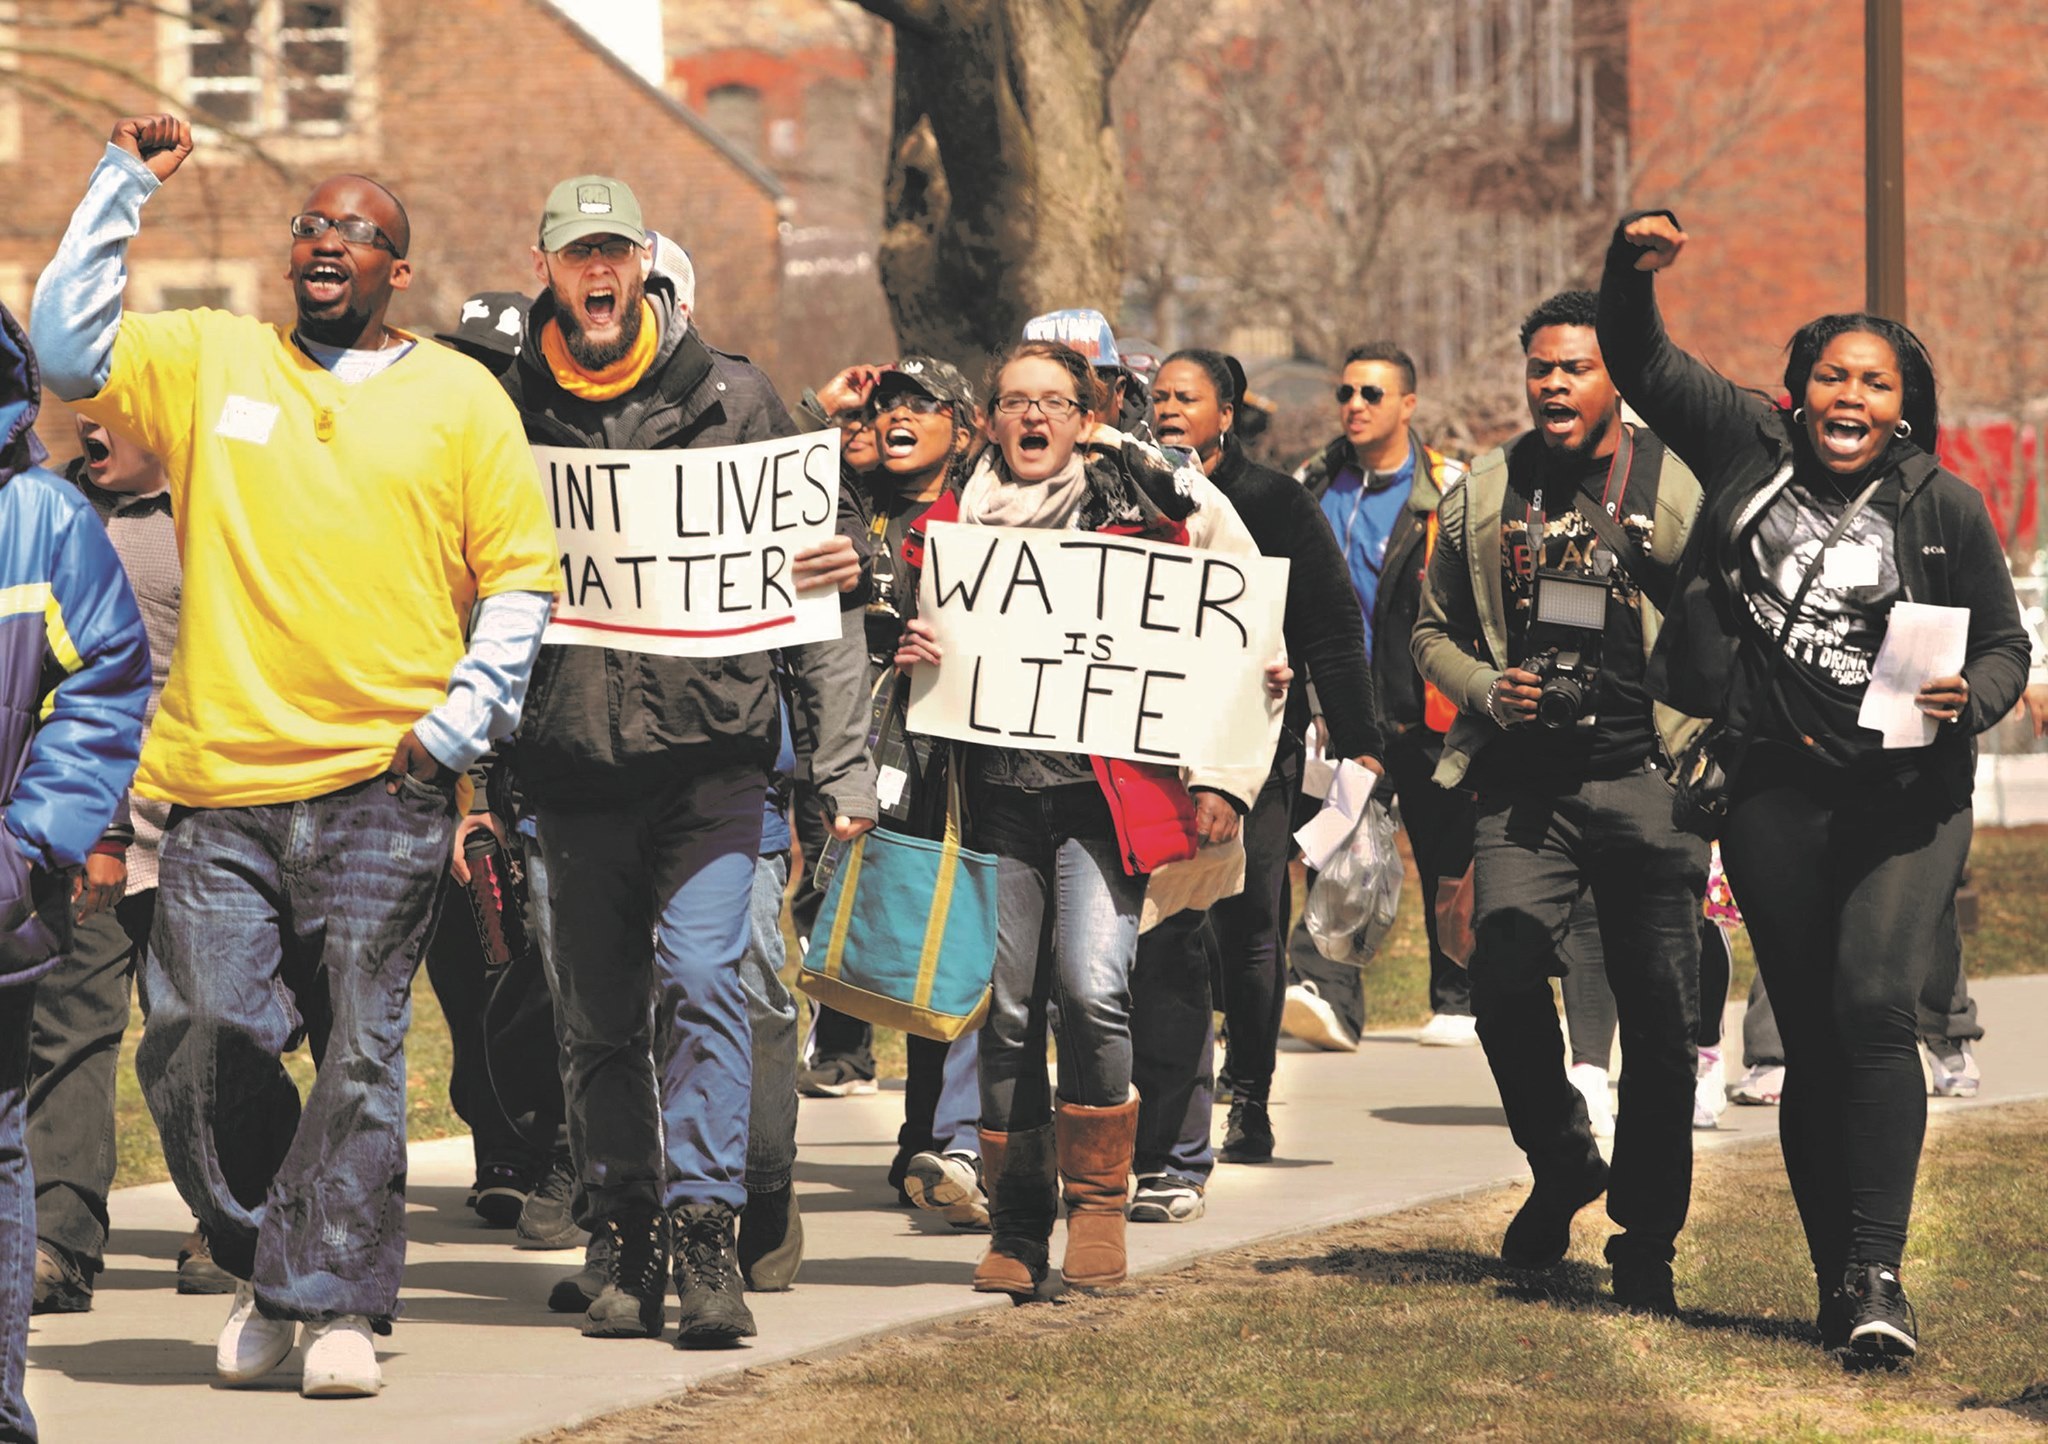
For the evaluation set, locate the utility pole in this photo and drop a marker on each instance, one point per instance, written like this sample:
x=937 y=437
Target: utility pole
x=1884 y=159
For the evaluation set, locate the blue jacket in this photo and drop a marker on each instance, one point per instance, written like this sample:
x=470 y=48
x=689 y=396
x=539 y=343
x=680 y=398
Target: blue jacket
x=74 y=678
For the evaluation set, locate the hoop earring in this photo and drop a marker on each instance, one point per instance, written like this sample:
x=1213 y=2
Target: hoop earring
x=1799 y=416
x=1904 y=431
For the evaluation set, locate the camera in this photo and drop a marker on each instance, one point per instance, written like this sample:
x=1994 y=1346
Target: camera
x=1566 y=631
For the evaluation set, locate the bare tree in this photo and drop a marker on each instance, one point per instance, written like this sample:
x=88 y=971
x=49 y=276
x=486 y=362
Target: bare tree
x=1006 y=176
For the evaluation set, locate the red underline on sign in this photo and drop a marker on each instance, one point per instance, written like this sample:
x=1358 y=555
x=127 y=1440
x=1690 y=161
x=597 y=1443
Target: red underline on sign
x=671 y=631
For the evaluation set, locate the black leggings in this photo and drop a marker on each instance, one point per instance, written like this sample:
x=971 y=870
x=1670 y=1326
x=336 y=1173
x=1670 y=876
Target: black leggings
x=1844 y=889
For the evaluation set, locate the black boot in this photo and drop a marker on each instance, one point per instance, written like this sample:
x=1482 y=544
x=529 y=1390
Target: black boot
x=771 y=1245
x=714 y=1310
x=1642 y=1275
x=1247 y=1133
x=576 y=1292
x=1539 y=1235
x=629 y=1306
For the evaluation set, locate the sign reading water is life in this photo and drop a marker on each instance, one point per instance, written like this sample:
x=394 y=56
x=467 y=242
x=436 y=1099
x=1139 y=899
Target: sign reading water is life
x=689 y=553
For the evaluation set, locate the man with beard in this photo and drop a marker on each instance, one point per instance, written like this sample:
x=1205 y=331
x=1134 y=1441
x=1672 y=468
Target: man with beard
x=646 y=777
x=1541 y=609
x=368 y=567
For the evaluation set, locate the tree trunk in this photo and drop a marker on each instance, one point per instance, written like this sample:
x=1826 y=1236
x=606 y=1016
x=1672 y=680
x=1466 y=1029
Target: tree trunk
x=1006 y=189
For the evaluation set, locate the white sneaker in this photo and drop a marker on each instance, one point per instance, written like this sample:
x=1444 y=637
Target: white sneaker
x=341 y=1360
x=1314 y=1021
x=1709 y=1094
x=1951 y=1069
x=1592 y=1082
x=948 y=1184
x=1449 y=1030
x=1760 y=1087
x=251 y=1345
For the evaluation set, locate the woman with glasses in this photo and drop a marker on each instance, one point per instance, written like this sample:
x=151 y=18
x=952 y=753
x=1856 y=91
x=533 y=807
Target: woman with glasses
x=1844 y=843
x=1076 y=837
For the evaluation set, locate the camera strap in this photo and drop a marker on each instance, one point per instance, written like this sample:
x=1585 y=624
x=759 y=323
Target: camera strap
x=1652 y=576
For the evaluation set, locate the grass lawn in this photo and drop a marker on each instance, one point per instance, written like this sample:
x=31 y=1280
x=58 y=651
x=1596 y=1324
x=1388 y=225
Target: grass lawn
x=2010 y=868
x=1407 y=1327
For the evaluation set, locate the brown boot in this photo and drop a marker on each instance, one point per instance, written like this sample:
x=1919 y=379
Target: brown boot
x=1017 y=1174
x=1095 y=1147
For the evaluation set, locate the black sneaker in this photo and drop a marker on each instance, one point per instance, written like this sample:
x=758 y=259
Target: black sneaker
x=1248 y=1134
x=771 y=1246
x=500 y=1194
x=630 y=1304
x=62 y=1284
x=1642 y=1279
x=197 y=1272
x=575 y=1293
x=714 y=1311
x=545 y=1220
x=1882 y=1330
x=1837 y=1313
x=1539 y=1235
x=835 y=1078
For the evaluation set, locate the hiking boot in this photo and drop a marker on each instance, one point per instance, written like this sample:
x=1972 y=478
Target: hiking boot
x=341 y=1360
x=1539 y=1235
x=1951 y=1069
x=1449 y=1030
x=1094 y=1147
x=500 y=1194
x=948 y=1184
x=546 y=1219
x=1642 y=1278
x=63 y=1285
x=1592 y=1085
x=250 y=1343
x=1247 y=1133
x=1306 y=1016
x=1761 y=1087
x=635 y=1289
x=1018 y=1171
x=1883 y=1331
x=771 y=1245
x=714 y=1312
x=835 y=1078
x=197 y=1272
x=575 y=1293
x=1164 y=1198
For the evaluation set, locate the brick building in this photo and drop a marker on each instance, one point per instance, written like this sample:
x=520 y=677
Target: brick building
x=468 y=109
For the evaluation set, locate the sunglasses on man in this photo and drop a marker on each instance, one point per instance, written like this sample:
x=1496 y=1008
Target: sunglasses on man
x=1370 y=395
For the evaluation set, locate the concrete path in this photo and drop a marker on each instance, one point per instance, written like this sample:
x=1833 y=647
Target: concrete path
x=478 y=1357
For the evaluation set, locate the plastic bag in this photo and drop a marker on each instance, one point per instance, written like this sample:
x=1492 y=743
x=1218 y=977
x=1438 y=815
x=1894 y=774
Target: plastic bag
x=1352 y=906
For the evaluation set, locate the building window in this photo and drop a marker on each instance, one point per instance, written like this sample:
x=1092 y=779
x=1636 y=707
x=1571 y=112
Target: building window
x=270 y=66
x=735 y=113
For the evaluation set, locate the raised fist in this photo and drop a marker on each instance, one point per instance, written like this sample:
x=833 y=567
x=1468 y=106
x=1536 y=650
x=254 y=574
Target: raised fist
x=160 y=142
x=1660 y=238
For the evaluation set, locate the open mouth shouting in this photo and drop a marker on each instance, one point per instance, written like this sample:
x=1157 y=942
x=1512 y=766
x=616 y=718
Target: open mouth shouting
x=1844 y=437
x=898 y=441
x=1171 y=431
x=600 y=308
x=323 y=284
x=97 y=452
x=1034 y=443
x=1557 y=419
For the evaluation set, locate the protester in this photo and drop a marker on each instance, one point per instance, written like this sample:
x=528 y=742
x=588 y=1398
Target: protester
x=1530 y=613
x=82 y=1007
x=66 y=755
x=646 y=776
x=1172 y=1013
x=350 y=642
x=1075 y=838
x=1845 y=851
x=1378 y=486
x=1090 y=333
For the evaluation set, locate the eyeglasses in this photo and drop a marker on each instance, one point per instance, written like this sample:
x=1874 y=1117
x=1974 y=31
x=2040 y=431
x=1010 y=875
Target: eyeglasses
x=847 y=420
x=1370 y=395
x=1052 y=408
x=913 y=401
x=615 y=250
x=307 y=226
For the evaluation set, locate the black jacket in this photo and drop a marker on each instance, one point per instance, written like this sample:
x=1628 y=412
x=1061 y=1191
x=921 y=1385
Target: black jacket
x=1324 y=632
x=606 y=726
x=1708 y=662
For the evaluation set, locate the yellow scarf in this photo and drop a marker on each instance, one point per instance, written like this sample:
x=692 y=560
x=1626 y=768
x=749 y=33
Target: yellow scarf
x=616 y=379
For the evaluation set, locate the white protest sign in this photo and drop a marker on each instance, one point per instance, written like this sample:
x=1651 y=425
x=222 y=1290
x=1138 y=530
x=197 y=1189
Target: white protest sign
x=688 y=553
x=1067 y=641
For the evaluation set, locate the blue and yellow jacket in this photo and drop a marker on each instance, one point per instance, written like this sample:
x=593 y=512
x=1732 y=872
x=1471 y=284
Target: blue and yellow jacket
x=74 y=678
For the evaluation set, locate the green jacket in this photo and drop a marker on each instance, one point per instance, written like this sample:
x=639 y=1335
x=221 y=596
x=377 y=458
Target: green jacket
x=1460 y=640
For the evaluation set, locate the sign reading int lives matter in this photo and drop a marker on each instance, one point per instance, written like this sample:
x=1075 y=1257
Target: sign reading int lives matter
x=1068 y=641
x=688 y=553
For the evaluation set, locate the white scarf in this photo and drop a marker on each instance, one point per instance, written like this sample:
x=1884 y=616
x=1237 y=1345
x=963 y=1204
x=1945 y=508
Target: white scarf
x=992 y=497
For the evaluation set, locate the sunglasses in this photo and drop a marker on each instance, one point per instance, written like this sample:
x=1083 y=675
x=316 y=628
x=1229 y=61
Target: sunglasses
x=354 y=229
x=913 y=401
x=616 y=251
x=1370 y=395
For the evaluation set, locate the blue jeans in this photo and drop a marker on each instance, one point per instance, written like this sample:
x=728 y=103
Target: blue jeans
x=771 y=1124
x=340 y=889
x=1173 y=1036
x=651 y=900
x=17 y=1213
x=1067 y=925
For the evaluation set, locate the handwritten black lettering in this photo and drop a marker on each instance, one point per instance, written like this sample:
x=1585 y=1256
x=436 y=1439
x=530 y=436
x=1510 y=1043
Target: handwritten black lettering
x=1089 y=689
x=593 y=576
x=1037 y=695
x=774 y=562
x=1152 y=565
x=781 y=493
x=1074 y=641
x=1144 y=696
x=689 y=565
x=682 y=492
x=974 y=702
x=1104 y=549
x=1211 y=567
x=635 y=563
x=825 y=487
x=1025 y=560
x=969 y=594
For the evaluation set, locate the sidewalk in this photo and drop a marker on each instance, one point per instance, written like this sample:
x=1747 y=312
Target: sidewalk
x=478 y=1357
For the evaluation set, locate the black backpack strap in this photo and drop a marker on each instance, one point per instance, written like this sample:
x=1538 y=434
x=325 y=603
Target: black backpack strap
x=1656 y=579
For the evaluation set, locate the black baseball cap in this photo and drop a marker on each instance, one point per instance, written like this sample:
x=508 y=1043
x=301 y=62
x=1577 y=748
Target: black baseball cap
x=492 y=323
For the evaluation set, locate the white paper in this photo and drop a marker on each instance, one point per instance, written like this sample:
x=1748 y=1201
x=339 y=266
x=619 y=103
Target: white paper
x=1342 y=805
x=1921 y=642
x=1317 y=770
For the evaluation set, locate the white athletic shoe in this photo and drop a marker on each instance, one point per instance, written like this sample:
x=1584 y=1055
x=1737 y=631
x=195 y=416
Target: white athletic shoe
x=251 y=1345
x=1760 y=1087
x=1951 y=1069
x=1710 y=1093
x=1592 y=1082
x=341 y=1360
x=1449 y=1030
x=1307 y=1017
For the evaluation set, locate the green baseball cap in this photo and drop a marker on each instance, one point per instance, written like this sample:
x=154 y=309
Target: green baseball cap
x=590 y=205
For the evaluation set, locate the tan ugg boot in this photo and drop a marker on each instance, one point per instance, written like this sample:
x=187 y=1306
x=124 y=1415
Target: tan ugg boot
x=1095 y=1146
x=1017 y=1175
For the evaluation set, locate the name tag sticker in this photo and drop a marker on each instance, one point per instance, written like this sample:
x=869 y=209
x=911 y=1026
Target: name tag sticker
x=245 y=419
x=1850 y=565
